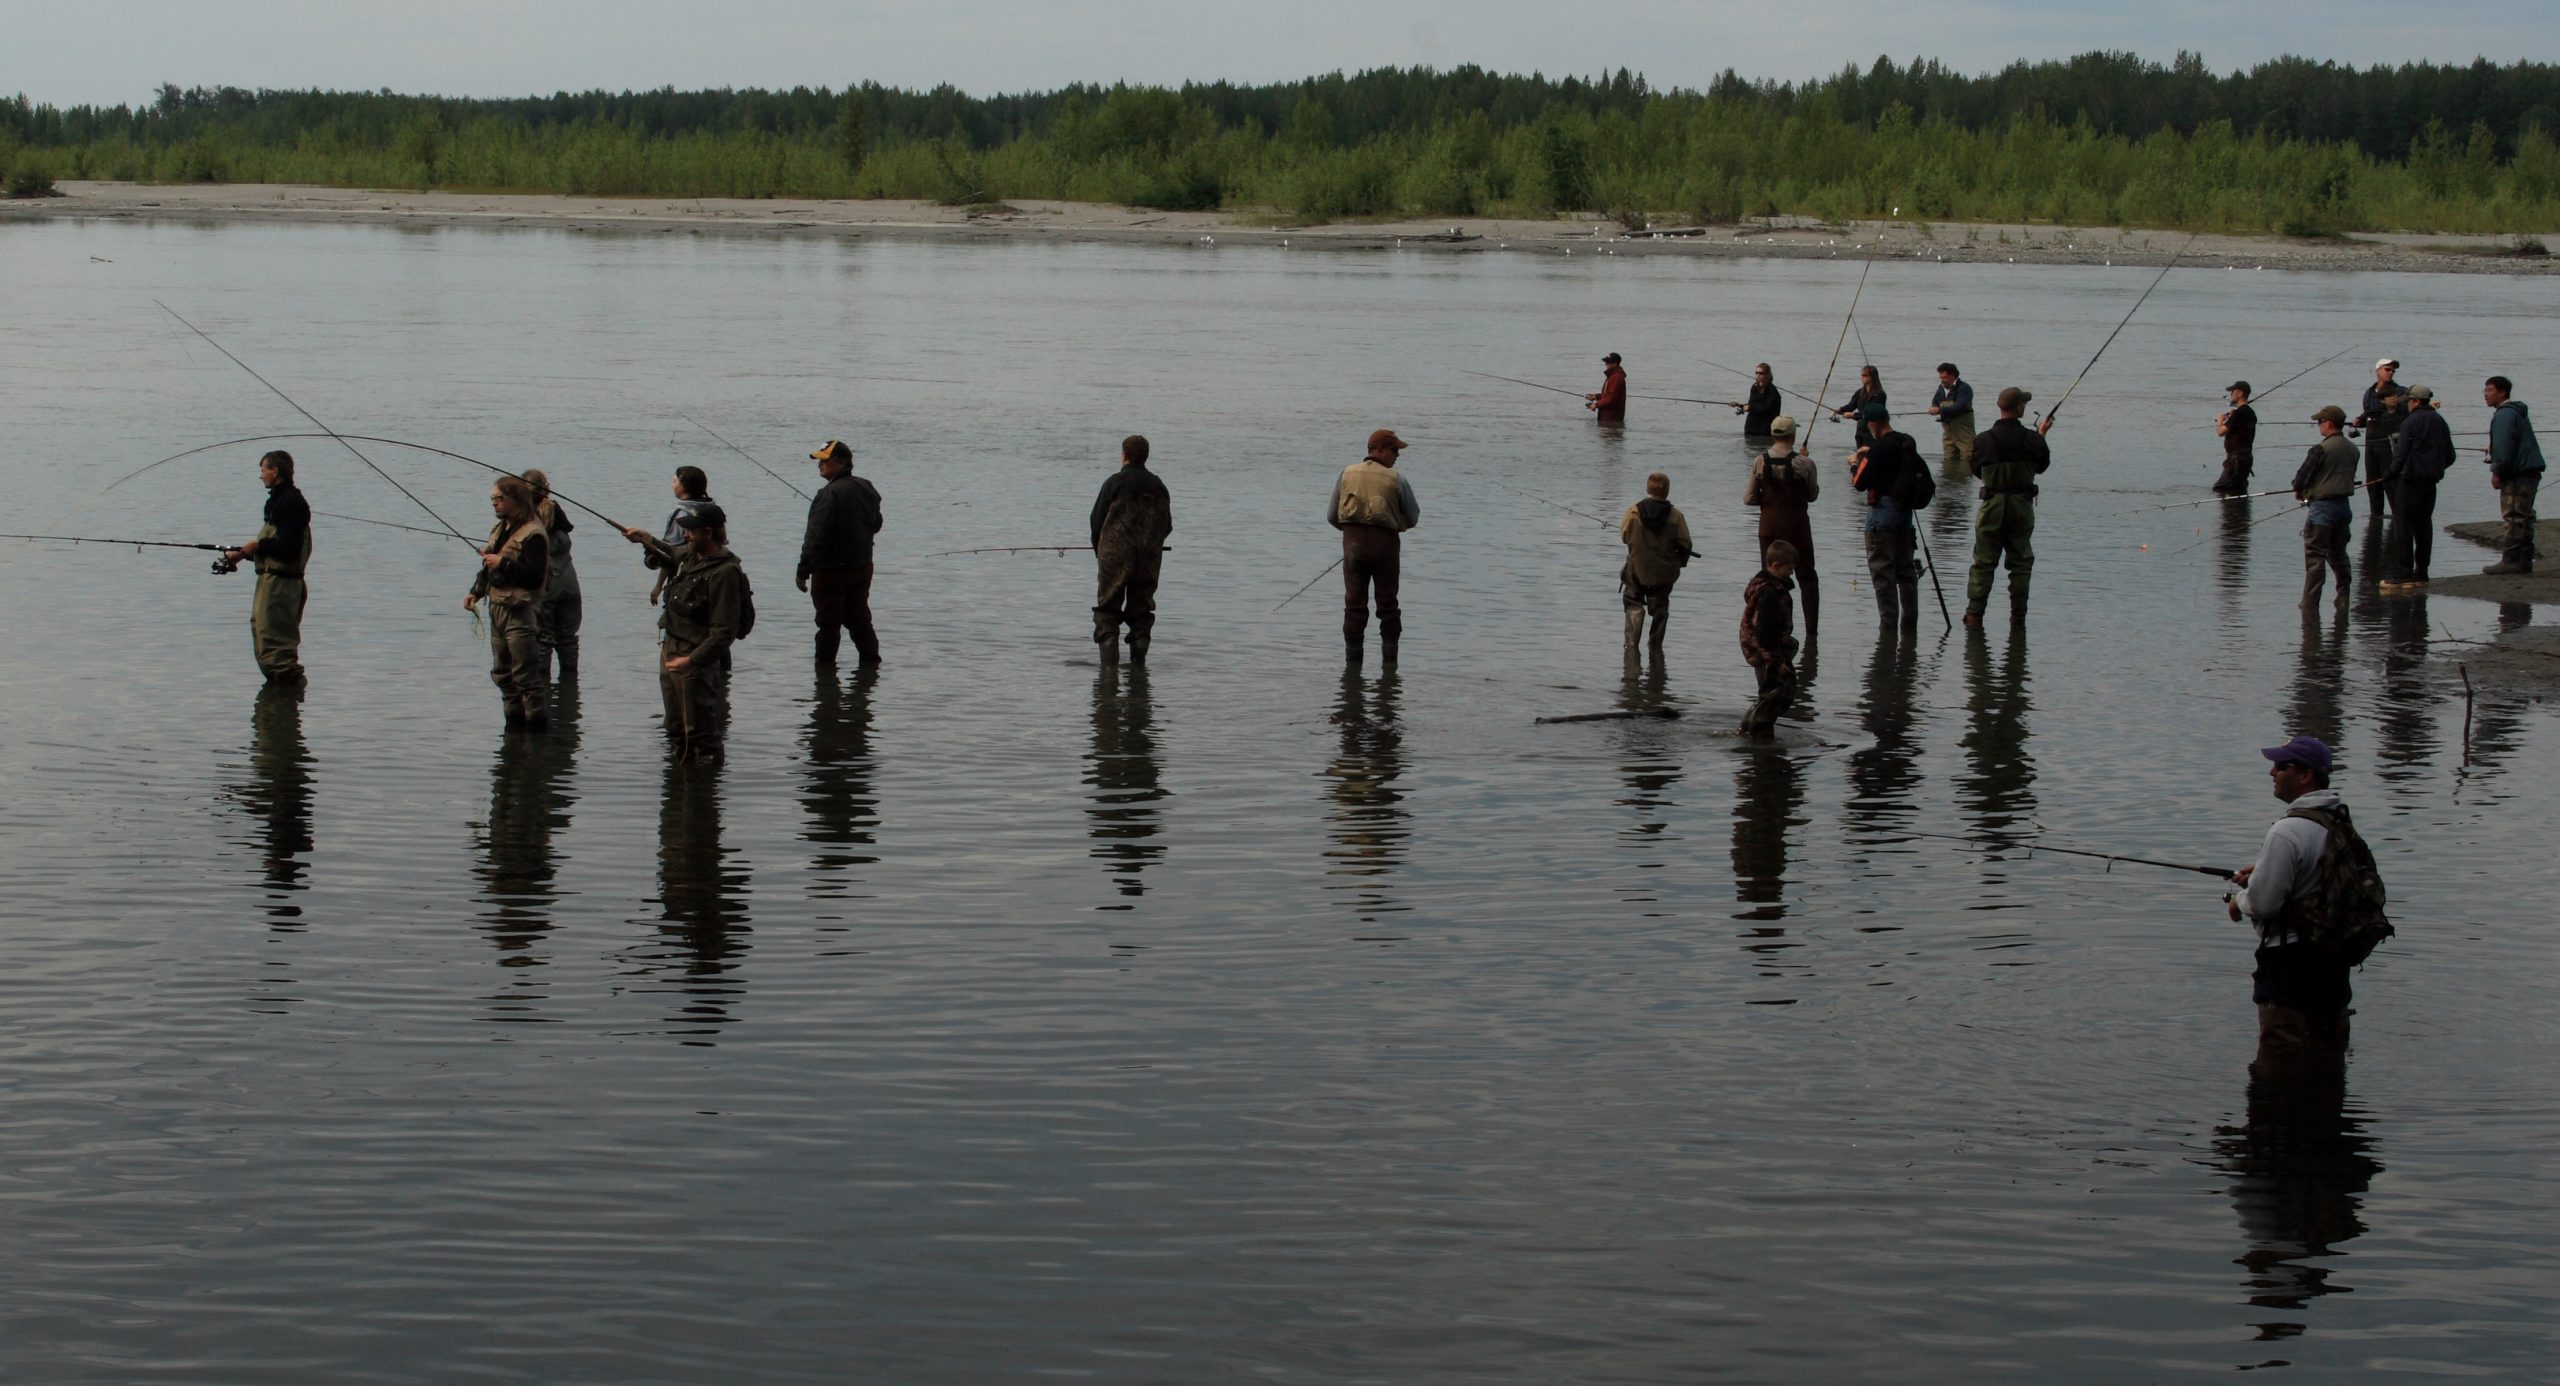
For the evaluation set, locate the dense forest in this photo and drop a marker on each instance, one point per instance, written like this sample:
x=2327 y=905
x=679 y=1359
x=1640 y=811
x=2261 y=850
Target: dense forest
x=2104 y=138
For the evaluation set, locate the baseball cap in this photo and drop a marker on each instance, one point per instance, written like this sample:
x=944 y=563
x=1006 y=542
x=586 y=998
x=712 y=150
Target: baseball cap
x=1876 y=413
x=1385 y=438
x=706 y=517
x=2385 y=361
x=2423 y=392
x=1783 y=426
x=2310 y=752
x=833 y=450
x=2014 y=398
x=1611 y=358
x=2241 y=385
x=2329 y=413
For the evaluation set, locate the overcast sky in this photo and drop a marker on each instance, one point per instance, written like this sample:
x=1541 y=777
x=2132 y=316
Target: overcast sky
x=109 y=51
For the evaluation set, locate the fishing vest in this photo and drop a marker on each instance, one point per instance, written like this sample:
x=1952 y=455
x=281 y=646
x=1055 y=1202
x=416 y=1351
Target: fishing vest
x=2336 y=477
x=511 y=551
x=282 y=567
x=1368 y=497
x=2005 y=459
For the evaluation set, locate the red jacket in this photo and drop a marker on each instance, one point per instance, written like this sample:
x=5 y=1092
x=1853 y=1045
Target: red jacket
x=1612 y=401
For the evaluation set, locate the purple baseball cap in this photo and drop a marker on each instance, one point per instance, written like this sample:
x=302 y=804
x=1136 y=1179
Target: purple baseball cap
x=2310 y=752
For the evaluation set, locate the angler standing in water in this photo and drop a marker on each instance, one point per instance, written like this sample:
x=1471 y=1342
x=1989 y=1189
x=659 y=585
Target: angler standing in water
x=2007 y=460
x=835 y=556
x=1879 y=468
x=2239 y=429
x=1762 y=405
x=1783 y=487
x=2317 y=904
x=1132 y=517
x=1608 y=405
x=2323 y=483
x=563 y=608
x=1373 y=506
x=1769 y=639
x=513 y=566
x=693 y=494
x=1951 y=404
x=281 y=552
x=1870 y=391
x=2420 y=456
x=2385 y=406
x=709 y=607
x=1657 y=538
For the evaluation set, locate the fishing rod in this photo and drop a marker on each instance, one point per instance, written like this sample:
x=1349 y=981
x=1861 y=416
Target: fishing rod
x=742 y=452
x=316 y=423
x=1557 y=389
x=344 y=437
x=1019 y=548
x=1846 y=322
x=1560 y=505
x=2110 y=857
x=2056 y=411
x=135 y=543
x=2278 y=515
x=2209 y=500
x=1284 y=601
x=1687 y=399
x=2297 y=375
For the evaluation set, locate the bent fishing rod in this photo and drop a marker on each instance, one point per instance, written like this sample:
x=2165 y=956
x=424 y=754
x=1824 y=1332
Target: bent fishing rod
x=1994 y=840
x=2056 y=411
x=742 y=452
x=1781 y=389
x=386 y=524
x=133 y=543
x=1556 y=389
x=316 y=423
x=342 y=437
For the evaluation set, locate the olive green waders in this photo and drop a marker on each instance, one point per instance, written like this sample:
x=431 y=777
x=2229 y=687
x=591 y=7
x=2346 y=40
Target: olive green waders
x=2004 y=529
x=516 y=662
x=275 y=609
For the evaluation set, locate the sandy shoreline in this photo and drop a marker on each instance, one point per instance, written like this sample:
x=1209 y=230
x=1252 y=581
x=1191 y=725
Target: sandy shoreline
x=1076 y=221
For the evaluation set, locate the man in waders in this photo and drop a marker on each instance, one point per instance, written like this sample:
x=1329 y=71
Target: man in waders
x=2300 y=985
x=2007 y=460
x=2239 y=429
x=281 y=552
x=562 y=609
x=1373 y=507
x=513 y=567
x=1132 y=517
x=2385 y=406
x=1951 y=404
x=1893 y=542
x=1657 y=538
x=1608 y=405
x=2515 y=468
x=2323 y=483
x=835 y=556
x=708 y=606
x=1783 y=487
x=2420 y=456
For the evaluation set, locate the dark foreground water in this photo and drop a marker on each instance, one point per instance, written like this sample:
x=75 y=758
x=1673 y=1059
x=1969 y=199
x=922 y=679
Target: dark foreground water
x=1249 y=1017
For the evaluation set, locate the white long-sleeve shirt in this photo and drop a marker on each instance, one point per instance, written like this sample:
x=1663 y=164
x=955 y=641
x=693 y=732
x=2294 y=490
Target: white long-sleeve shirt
x=2289 y=864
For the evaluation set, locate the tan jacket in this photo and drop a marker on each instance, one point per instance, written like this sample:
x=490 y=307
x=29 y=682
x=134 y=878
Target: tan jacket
x=1655 y=556
x=1372 y=494
x=509 y=547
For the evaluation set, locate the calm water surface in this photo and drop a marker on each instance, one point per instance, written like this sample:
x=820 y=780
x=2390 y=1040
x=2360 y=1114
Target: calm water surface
x=998 y=1016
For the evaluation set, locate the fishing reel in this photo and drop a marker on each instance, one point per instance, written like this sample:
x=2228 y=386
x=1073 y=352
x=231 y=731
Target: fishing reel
x=226 y=565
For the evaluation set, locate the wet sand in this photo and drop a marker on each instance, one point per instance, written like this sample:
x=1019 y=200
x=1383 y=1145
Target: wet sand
x=2524 y=661
x=1078 y=221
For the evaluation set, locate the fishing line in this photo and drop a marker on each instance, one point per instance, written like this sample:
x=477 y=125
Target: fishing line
x=742 y=452
x=2056 y=411
x=316 y=423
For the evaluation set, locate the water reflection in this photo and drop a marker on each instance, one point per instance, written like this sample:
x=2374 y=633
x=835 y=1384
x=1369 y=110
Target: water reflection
x=277 y=795
x=1126 y=781
x=2407 y=695
x=2298 y=1164
x=529 y=802
x=1883 y=773
x=837 y=791
x=1997 y=788
x=2497 y=724
x=1649 y=767
x=1368 y=818
x=2231 y=563
x=702 y=900
x=2316 y=703
x=1768 y=804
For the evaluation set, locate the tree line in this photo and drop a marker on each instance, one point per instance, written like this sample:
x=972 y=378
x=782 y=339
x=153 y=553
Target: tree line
x=2104 y=138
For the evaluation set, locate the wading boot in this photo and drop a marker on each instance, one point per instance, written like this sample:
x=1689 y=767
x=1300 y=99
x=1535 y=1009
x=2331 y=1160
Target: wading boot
x=1387 y=650
x=1110 y=647
x=1137 y=652
x=2505 y=566
x=1655 y=639
x=1635 y=626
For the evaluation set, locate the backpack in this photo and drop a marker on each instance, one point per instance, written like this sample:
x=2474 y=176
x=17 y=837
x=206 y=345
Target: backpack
x=2343 y=912
x=1916 y=487
x=746 y=607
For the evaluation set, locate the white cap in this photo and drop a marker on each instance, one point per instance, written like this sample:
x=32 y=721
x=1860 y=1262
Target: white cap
x=2386 y=361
